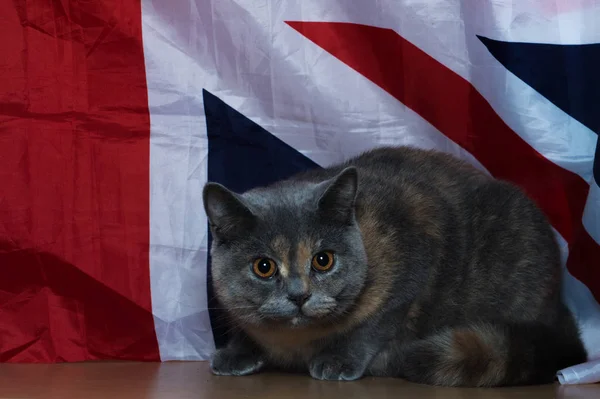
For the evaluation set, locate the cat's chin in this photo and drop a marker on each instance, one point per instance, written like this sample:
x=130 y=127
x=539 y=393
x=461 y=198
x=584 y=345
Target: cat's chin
x=300 y=321
x=305 y=321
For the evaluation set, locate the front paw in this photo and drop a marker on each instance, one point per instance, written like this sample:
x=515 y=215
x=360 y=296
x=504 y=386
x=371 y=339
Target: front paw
x=229 y=362
x=336 y=368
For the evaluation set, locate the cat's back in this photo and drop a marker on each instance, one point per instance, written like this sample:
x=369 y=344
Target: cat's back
x=410 y=186
x=389 y=167
x=408 y=165
x=490 y=235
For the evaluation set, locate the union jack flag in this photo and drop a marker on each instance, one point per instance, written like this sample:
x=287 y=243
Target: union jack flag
x=114 y=113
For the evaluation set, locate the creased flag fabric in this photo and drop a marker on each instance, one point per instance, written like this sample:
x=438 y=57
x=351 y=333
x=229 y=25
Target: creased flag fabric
x=114 y=113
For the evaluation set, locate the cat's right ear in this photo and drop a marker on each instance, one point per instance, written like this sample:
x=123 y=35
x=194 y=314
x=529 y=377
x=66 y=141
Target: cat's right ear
x=228 y=216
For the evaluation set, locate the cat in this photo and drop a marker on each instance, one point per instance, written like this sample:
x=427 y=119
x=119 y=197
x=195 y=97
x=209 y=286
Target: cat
x=400 y=262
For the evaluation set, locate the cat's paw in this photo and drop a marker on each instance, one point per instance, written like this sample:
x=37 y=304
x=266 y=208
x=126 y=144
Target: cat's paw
x=336 y=368
x=229 y=362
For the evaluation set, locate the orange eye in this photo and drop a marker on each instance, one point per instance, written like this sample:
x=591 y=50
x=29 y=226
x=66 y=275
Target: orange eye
x=264 y=267
x=322 y=261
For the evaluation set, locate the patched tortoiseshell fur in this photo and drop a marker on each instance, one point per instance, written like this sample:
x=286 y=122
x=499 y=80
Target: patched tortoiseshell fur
x=442 y=275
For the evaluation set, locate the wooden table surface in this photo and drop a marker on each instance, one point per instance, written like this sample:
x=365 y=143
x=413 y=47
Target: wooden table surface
x=194 y=380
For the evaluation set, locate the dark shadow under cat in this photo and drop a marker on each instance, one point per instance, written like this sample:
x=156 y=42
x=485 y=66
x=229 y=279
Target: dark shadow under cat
x=399 y=262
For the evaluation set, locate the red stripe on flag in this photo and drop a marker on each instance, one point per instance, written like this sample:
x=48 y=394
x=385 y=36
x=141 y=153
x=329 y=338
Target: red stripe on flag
x=452 y=105
x=74 y=171
x=583 y=261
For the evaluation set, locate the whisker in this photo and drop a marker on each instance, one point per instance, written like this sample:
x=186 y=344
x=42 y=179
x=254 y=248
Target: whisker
x=232 y=329
x=231 y=307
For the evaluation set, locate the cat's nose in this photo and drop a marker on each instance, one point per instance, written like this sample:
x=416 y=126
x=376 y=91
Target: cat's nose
x=299 y=298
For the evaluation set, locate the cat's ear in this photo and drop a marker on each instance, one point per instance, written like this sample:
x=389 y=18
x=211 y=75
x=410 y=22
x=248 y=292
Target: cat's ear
x=338 y=199
x=227 y=214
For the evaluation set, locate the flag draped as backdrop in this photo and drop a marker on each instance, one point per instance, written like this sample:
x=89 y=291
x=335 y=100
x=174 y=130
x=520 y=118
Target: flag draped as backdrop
x=114 y=113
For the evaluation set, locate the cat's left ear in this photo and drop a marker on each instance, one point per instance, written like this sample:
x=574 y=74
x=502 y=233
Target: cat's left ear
x=340 y=195
x=226 y=211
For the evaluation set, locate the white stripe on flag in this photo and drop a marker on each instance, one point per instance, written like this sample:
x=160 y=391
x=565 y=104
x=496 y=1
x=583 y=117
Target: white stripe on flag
x=178 y=169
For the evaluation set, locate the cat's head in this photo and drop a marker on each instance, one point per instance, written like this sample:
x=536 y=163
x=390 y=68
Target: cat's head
x=287 y=255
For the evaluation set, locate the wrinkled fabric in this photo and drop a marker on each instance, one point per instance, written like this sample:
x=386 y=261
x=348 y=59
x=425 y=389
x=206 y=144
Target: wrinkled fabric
x=74 y=183
x=585 y=373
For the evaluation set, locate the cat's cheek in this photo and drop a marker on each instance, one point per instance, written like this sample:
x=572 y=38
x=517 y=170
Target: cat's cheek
x=278 y=308
x=318 y=307
x=317 y=312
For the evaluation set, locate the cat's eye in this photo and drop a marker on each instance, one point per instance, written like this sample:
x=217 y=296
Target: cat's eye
x=322 y=261
x=264 y=267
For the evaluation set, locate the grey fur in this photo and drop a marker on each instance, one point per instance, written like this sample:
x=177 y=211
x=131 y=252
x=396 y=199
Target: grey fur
x=442 y=275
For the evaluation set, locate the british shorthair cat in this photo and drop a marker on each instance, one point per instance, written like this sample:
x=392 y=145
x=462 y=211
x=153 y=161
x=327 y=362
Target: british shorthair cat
x=399 y=262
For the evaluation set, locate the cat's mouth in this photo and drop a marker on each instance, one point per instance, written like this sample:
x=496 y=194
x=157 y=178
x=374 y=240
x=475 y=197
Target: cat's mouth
x=316 y=316
x=302 y=320
x=286 y=314
x=301 y=317
x=317 y=312
x=311 y=315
